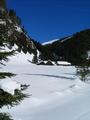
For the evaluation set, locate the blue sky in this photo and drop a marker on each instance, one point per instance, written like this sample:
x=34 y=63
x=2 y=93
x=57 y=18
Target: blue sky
x=50 y=19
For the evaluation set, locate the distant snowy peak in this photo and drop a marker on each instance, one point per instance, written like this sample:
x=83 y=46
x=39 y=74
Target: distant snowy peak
x=66 y=38
x=50 y=42
x=55 y=40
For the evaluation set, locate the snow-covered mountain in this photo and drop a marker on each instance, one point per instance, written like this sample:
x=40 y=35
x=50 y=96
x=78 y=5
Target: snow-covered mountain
x=73 y=49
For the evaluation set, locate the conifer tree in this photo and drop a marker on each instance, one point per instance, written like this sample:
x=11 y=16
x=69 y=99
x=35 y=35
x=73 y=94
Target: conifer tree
x=3 y=39
x=3 y=4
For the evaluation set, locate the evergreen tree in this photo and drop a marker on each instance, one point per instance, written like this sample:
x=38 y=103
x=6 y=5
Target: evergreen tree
x=4 y=57
x=83 y=72
x=14 y=17
x=4 y=116
x=3 y=4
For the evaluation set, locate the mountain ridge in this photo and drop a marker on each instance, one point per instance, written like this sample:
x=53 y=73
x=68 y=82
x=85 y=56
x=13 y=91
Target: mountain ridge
x=73 y=49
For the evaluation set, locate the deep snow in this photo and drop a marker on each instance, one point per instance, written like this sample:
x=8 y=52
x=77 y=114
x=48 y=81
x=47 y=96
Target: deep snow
x=56 y=93
x=9 y=86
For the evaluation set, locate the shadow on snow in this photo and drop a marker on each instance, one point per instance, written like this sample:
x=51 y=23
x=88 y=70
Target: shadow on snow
x=53 y=76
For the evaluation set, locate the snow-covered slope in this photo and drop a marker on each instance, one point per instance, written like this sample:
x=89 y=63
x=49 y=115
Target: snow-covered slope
x=18 y=57
x=9 y=86
x=56 y=93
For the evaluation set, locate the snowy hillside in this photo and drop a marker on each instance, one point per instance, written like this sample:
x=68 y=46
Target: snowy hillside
x=18 y=57
x=55 y=92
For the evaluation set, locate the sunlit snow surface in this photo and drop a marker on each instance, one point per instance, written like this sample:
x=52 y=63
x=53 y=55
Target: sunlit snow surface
x=56 y=93
x=9 y=86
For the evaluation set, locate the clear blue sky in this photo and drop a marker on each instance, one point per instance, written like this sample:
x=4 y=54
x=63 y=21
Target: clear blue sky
x=49 y=19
